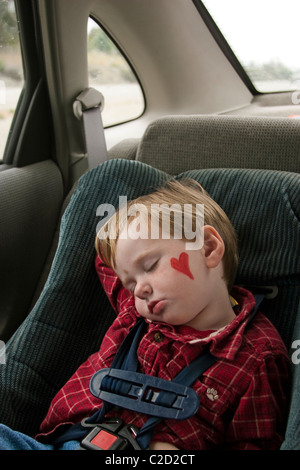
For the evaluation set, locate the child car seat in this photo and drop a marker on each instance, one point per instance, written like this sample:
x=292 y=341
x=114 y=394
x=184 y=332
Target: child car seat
x=72 y=314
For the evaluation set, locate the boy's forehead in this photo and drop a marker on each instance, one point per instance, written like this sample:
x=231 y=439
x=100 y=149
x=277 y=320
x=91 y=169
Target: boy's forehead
x=138 y=226
x=133 y=250
x=129 y=228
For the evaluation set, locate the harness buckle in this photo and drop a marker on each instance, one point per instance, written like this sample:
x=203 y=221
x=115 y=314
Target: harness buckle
x=112 y=434
x=144 y=393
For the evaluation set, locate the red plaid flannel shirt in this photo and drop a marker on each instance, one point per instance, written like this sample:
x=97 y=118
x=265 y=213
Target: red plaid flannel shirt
x=242 y=396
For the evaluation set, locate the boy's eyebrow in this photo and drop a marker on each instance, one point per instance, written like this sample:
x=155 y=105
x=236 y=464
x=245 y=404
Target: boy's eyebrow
x=137 y=260
x=142 y=256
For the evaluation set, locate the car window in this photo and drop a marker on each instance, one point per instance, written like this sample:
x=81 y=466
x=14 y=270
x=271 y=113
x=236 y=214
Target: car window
x=264 y=36
x=11 y=68
x=110 y=73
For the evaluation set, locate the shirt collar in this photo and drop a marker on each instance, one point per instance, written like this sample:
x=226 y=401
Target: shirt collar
x=226 y=342
x=223 y=343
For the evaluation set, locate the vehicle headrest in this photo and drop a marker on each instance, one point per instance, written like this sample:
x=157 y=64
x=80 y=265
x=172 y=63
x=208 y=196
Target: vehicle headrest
x=176 y=143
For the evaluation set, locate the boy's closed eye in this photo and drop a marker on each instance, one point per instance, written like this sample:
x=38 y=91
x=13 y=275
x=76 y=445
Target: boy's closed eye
x=147 y=268
x=151 y=265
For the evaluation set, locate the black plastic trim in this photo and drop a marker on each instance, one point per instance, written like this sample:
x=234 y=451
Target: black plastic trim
x=29 y=140
x=224 y=46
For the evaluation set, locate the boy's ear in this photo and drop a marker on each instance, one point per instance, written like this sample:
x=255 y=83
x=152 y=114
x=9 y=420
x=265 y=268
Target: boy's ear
x=213 y=247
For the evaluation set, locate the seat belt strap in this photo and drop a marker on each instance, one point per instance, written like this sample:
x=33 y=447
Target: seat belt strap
x=186 y=377
x=125 y=359
x=125 y=355
x=88 y=107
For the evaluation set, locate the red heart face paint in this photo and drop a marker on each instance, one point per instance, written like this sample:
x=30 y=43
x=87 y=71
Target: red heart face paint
x=182 y=264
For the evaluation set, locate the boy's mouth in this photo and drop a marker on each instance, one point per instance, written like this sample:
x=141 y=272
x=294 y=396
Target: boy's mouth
x=156 y=306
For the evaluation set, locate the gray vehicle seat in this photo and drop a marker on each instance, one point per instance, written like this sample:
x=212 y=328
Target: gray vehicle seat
x=72 y=313
x=178 y=143
x=30 y=202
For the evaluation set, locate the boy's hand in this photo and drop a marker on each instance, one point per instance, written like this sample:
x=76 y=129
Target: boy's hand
x=157 y=445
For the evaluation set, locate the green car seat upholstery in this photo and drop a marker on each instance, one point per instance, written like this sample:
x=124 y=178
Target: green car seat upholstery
x=72 y=313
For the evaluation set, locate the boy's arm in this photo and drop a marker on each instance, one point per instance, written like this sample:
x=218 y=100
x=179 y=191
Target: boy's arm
x=157 y=445
x=260 y=418
x=112 y=285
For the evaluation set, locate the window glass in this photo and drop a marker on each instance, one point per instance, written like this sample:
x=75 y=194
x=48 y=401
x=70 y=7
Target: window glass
x=11 y=68
x=110 y=73
x=264 y=36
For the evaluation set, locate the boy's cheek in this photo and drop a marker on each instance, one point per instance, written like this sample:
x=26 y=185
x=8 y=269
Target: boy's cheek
x=182 y=264
x=141 y=307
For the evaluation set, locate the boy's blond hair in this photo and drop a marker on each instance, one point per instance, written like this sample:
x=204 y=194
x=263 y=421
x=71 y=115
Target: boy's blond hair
x=175 y=193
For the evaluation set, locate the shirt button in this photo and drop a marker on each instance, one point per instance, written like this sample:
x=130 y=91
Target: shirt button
x=158 y=337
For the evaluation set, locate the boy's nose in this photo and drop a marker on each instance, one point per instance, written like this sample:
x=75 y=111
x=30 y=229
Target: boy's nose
x=142 y=290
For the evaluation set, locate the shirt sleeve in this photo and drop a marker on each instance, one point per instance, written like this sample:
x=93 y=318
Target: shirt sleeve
x=260 y=417
x=116 y=293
